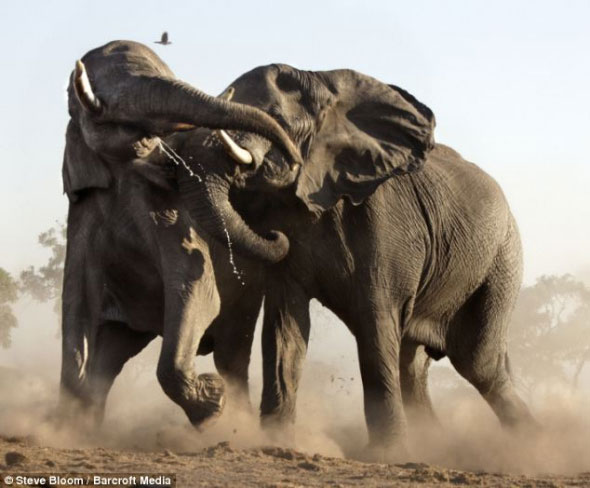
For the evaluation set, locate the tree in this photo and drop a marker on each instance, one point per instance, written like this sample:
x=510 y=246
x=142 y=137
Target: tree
x=8 y=296
x=550 y=331
x=45 y=283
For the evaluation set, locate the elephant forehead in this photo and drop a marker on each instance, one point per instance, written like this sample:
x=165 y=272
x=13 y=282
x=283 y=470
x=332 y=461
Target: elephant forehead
x=293 y=97
x=256 y=87
x=280 y=85
x=116 y=60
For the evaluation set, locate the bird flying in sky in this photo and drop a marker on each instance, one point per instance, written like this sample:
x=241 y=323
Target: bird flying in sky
x=164 y=40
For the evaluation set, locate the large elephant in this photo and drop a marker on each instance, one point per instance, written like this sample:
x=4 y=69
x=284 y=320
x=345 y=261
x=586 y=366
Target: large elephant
x=138 y=264
x=402 y=238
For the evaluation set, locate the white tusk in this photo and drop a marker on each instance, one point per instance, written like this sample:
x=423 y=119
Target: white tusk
x=82 y=358
x=239 y=154
x=84 y=89
x=228 y=93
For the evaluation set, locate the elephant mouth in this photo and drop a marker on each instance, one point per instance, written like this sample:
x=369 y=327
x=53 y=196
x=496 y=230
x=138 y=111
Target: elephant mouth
x=276 y=169
x=157 y=131
x=166 y=128
x=145 y=146
x=273 y=173
x=269 y=170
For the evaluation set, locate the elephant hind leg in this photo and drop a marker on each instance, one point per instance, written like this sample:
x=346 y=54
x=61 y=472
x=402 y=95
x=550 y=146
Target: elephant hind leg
x=115 y=344
x=477 y=345
x=495 y=385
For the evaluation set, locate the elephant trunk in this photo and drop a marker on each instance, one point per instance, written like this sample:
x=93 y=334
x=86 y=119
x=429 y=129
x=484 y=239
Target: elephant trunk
x=209 y=204
x=159 y=98
x=201 y=397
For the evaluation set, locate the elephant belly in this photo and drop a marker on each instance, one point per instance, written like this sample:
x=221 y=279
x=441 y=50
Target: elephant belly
x=141 y=307
x=439 y=300
x=133 y=290
x=428 y=332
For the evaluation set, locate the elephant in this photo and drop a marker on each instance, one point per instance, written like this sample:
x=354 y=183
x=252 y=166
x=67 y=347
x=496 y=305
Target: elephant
x=138 y=264
x=411 y=246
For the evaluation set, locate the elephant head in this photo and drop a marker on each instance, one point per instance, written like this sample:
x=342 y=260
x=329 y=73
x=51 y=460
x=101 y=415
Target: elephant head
x=353 y=132
x=122 y=98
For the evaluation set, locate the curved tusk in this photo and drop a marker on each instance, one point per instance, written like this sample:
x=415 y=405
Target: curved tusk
x=84 y=89
x=228 y=93
x=239 y=154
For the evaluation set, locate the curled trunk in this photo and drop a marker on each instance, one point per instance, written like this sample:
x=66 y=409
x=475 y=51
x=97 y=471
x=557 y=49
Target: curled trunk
x=157 y=100
x=209 y=204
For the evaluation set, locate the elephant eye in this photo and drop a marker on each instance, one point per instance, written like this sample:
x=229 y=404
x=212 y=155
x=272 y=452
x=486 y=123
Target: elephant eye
x=287 y=83
x=123 y=131
x=276 y=113
x=306 y=145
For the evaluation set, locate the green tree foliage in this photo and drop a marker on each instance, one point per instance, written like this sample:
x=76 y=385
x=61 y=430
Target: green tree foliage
x=550 y=331
x=8 y=296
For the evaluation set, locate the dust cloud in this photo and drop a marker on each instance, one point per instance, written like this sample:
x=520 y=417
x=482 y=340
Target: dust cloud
x=330 y=413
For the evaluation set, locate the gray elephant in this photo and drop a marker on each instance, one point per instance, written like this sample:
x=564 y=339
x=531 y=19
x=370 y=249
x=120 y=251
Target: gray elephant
x=414 y=248
x=138 y=264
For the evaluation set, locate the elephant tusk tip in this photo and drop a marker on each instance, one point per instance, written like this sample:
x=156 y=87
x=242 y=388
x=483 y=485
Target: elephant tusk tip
x=228 y=93
x=181 y=126
x=238 y=154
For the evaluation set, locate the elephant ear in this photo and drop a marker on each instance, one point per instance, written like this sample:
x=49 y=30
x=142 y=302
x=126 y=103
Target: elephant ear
x=368 y=133
x=82 y=168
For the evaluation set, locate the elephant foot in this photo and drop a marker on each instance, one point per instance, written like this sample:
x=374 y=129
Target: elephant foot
x=423 y=419
x=525 y=428
x=80 y=415
x=239 y=397
x=391 y=453
x=209 y=399
x=279 y=430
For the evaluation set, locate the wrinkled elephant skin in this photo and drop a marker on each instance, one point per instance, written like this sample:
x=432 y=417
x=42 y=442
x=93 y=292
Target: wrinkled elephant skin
x=414 y=248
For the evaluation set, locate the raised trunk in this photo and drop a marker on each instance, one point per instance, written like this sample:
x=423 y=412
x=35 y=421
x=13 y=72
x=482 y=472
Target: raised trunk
x=173 y=100
x=209 y=204
x=158 y=100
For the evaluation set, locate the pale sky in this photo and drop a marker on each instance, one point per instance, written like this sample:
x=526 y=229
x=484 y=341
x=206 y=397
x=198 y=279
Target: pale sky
x=509 y=82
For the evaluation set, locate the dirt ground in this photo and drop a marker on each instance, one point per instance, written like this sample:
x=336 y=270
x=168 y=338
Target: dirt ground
x=223 y=465
x=144 y=432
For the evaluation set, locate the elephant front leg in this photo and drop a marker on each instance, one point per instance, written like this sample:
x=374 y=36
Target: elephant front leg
x=378 y=343
x=84 y=402
x=414 y=364
x=115 y=344
x=233 y=336
x=285 y=335
x=200 y=396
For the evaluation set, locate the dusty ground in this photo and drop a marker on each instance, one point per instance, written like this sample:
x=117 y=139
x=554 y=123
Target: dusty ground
x=222 y=465
x=144 y=432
